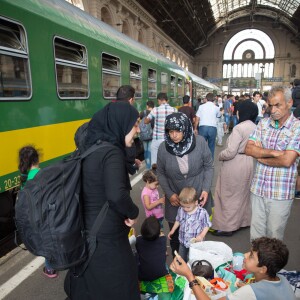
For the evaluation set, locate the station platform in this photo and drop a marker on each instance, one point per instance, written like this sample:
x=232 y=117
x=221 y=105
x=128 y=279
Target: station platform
x=21 y=274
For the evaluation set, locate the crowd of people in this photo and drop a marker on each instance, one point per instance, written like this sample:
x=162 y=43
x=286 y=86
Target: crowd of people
x=256 y=186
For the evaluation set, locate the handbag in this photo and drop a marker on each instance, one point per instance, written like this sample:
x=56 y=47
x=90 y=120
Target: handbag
x=203 y=268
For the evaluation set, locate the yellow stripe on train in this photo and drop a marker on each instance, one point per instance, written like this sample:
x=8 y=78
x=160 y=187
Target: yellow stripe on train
x=51 y=140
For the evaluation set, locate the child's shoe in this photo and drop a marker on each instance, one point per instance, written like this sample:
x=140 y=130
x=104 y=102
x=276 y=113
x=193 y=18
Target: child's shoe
x=297 y=195
x=50 y=273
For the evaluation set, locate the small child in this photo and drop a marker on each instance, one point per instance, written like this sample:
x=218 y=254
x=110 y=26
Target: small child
x=192 y=219
x=150 y=197
x=29 y=167
x=151 y=247
x=221 y=127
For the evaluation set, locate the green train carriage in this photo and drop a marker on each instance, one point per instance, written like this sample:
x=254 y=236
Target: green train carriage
x=58 y=66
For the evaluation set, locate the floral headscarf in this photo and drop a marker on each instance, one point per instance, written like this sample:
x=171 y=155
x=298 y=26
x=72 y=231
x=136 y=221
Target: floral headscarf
x=179 y=121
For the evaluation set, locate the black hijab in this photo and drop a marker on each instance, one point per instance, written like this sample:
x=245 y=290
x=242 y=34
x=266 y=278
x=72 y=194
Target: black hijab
x=247 y=111
x=179 y=121
x=112 y=124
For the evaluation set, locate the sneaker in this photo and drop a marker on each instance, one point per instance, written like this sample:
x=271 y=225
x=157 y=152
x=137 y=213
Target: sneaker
x=297 y=195
x=50 y=273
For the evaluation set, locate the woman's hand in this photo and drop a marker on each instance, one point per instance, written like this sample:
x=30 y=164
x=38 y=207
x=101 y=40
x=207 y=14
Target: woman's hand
x=130 y=222
x=174 y=200
x=203 y=198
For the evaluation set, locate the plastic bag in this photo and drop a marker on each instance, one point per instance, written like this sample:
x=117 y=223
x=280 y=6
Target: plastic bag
x=229 y=278
x=217 y=253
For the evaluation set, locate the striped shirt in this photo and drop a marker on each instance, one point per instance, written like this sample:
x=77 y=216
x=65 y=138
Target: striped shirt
x=159 y=114
x=191 y=225
x=276 y=182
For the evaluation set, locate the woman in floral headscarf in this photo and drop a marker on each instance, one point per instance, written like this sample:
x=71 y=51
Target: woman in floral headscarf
x=183 y=160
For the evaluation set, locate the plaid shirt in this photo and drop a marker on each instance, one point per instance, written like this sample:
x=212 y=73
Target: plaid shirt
x=191 y=225
x=276 y=182
x=159 y=114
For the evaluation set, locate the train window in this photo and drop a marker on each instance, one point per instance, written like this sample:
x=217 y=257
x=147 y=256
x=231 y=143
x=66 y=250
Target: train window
x=152 y=89
x=71 y=69
x=136 y=79
x=111 y=75
x=173 y=86
x=15 y=80
x=180 y=87
x=164 y=82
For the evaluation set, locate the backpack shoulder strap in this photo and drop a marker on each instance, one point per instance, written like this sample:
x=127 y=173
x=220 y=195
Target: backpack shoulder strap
x=90 y=150
x=99 y=220
x=92 y=240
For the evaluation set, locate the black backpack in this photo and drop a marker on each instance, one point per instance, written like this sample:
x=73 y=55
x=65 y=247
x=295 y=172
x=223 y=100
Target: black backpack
x=49 y=217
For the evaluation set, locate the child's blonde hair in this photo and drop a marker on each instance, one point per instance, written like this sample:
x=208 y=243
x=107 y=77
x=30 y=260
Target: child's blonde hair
x=188 y=195
x=149 y=176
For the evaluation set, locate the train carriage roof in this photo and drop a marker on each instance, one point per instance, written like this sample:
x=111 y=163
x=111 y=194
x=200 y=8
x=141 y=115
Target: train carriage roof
x=201 y=81
x=71 y=17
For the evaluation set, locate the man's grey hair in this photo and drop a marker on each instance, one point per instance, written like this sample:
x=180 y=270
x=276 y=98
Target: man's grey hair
x=283 y=89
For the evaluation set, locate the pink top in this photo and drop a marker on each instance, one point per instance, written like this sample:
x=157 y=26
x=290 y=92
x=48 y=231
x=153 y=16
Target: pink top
x=157 y=211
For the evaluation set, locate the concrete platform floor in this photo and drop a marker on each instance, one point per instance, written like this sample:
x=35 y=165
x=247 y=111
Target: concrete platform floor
x=36 y=286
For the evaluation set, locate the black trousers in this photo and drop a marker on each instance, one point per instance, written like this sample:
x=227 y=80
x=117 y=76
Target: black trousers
x=174 y=242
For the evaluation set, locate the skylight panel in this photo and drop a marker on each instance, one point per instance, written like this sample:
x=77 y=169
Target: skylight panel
x=288 y=6
x=221 y=8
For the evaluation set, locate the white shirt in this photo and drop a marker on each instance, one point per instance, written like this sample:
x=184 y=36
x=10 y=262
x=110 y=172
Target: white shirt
x=260 y=104
x=208 y=114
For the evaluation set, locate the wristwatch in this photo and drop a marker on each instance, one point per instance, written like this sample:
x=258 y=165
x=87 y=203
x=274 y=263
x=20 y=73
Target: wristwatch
x=193 y=282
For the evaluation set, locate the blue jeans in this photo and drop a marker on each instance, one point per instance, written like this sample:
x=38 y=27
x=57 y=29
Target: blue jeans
x=161 y=223
x=147 y=154
x=184 y=252
x=154 y=149
x=235 y=120
x=209 y=133
x=227 y=118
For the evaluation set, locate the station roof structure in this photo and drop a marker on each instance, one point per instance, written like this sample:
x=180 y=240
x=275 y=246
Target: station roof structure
x=190 y=23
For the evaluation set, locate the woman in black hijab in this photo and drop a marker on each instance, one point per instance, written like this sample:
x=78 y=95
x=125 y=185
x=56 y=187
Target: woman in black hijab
x=111 y=124
x=232 y=194
x=183 y=160
x=111 y=273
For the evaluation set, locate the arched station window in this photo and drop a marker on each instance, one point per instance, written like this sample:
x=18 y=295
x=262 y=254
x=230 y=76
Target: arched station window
x=247 y=53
